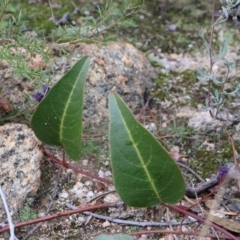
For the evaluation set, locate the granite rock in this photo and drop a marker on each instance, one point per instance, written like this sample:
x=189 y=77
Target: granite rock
x=116 y=64
x=202 y=121
x=19 y=165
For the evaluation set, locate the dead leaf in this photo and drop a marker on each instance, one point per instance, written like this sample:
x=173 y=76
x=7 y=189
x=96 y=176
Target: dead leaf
x=231 y=225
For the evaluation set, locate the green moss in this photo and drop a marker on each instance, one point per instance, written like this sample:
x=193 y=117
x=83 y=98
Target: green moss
x=189 y=76
x=164 y=90
x=69 y=185
x=207 y=162
x=160 y=90
x=37 y=16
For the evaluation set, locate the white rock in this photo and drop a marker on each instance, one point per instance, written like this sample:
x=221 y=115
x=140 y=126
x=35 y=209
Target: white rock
x=106 y=224
x=85 y=190
x=101 y=173
x=63 y=195
x=204 y=121
x=107 y=174
x=42 y=214
x=70 y=171
x=19 y=165
x=85 y=162
x=110 y=198
x=79 y=193
x=44 y=226
x=78 y=186
x=88 y=183
x=90 y=195
x=106 y=163
x=151 y=127
x=81 y=219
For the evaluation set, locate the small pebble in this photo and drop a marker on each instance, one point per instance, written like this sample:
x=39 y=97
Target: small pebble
x=101 y=173
x=151 y=127
x=172 y=27
x=69 y=171
x=111 y=198
x=88 y=183
x=81 y=219
x=106 y=224
x=85 y=162
x=106 y=163
x=90 y=195
x=42 y=214
x=44 y=226
x=143 y=237
x=78 y=186
x=79 y=193
x=86 y=13
x=107 y=174
x=64 y=195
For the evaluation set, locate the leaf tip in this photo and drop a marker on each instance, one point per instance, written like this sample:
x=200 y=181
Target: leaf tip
x=113 y=90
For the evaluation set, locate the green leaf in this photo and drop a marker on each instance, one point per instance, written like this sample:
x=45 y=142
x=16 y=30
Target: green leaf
x=222 y=52
x=113 y=237
x=57 y=120
x=202 y=74
x=144 y=173
x=206 y=44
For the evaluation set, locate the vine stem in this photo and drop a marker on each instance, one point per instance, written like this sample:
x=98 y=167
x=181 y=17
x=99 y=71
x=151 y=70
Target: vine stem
x=66 y=165
x=178 y=232
x=200 y=219
x=61 y=214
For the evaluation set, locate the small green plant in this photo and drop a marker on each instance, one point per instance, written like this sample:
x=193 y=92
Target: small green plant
x=26 y=213
x=90 y=146
x=218 y=98
x=111 y=15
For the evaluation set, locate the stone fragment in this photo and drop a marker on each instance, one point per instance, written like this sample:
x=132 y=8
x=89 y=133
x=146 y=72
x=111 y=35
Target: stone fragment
x=64 y=195
x=106 y=224
x=19 y=165
x=110 y=198
x=203 y=121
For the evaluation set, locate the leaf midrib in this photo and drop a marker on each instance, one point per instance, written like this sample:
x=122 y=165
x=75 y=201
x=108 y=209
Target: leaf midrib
x=65 y=109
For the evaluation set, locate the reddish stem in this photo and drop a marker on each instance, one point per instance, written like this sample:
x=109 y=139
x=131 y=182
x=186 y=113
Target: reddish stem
x=179 y=232
x=205 y=221
x=63 y=158
x=66 y=165
x=61 y=214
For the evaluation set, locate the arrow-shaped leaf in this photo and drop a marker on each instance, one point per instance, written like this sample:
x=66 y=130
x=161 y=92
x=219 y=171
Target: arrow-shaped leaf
x=144 y=173
x=58 y=118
